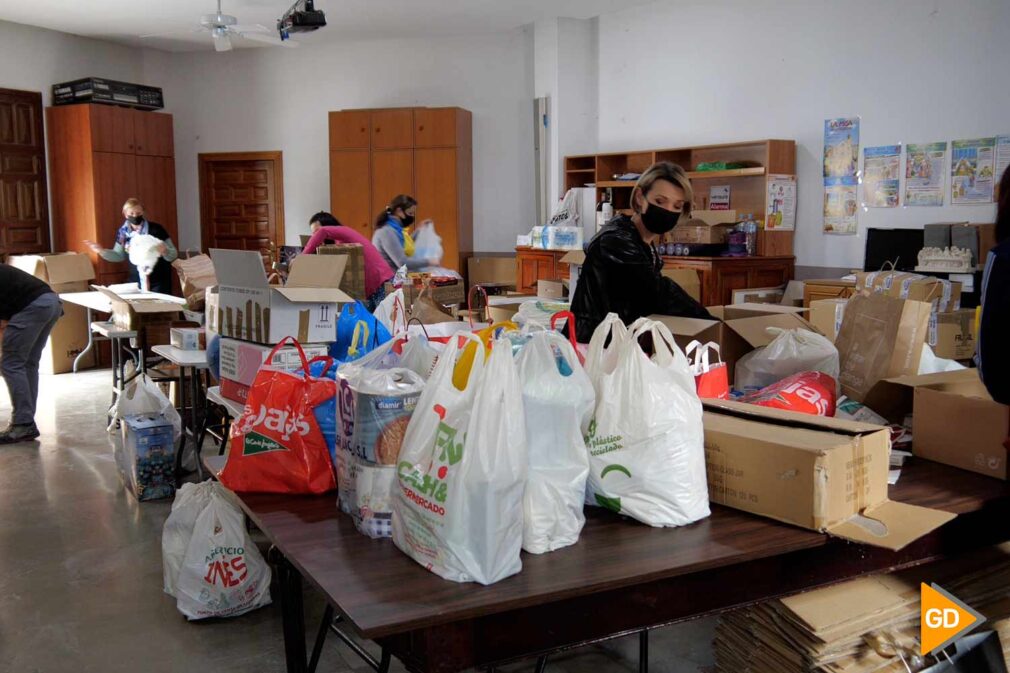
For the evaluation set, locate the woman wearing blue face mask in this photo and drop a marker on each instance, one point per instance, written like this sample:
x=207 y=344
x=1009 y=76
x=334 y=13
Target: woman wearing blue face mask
x=137 y=224
x=622 y=271
x=392 y=234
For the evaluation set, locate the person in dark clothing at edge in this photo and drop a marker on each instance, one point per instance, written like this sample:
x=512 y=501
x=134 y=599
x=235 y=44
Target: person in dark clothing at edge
x=137 y=224
x=993 y=356
x=30 y=308
x=622 y=271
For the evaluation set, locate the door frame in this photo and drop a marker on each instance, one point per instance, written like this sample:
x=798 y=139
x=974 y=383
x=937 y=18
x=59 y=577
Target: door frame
x=209 y=157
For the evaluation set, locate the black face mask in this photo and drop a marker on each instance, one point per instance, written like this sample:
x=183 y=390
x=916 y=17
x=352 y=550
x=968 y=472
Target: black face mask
x=135 y=219
x=659 y=220
x=407 y=220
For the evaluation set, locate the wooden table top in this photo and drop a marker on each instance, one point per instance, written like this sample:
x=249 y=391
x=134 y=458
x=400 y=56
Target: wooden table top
x=383 y=592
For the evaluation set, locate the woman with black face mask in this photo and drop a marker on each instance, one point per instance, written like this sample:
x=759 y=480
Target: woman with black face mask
x=392 y=234
x=137 y=224
x=621 y=273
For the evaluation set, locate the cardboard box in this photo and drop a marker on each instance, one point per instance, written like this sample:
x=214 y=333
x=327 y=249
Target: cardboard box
x=737 y=329
x=491 y=270
x=826 y=315
x=240 y=360
x=65 y=272
x=758 y=295
x=353 y=280
x=212 y=310
x=956 y=422
x=136 y=310
x=147 y=461
x=944 y=294
x=234 y=391
x=307 y=308
x=446 y=295
x=188 y=338
x=952 y=334
x=708 y=227
x=687 y=279
x=823 y=474
x=551 y=289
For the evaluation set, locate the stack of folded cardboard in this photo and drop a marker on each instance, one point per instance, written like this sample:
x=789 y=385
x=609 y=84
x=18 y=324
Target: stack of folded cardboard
x=846 y=628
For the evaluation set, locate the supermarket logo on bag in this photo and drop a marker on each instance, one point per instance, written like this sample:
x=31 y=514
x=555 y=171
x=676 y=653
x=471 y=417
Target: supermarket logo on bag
x=281 y=422
x=226 y=566
x=944 y=619
x=256 y=443
x=601 y=445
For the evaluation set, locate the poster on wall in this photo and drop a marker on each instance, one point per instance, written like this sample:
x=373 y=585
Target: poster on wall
x=881 y=175
x=841 y=147
x=971 y=170
x=925 y=166
x=781 y=213
x=718 y=197
x=1002 y=156
x=840 y=206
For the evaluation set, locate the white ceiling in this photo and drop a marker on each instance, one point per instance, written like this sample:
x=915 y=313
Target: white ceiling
x=123 y=21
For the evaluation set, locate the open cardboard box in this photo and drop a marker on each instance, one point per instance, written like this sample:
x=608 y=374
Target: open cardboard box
x=737 y=329
x=705 y=227
x=133 y=309
x=307 y=307
x=65 y=272
x=824 y=474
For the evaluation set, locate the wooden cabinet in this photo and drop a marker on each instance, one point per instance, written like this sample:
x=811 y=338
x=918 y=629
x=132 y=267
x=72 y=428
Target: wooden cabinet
x=535 y=265
x=350 y=129
x=435 y=127
x=424 y=152
x=392 y=174
x=830 y=288
x=100 y=156
x=393 y=129
x=350 y=177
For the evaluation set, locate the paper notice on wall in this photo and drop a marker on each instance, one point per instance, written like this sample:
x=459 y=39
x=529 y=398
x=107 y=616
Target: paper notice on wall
x=841 y=147
x=781 y=203
x=925 y=166
x=840 y=205
x=971 y=170
x=1002 y=156
x=881 y=175
x=718 y=198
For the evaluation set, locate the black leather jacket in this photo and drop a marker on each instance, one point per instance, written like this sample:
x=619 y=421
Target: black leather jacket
x=621 y=275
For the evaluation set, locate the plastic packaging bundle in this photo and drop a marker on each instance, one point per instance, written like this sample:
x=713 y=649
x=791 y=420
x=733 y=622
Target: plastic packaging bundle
x=144 y=254
x=790 y=352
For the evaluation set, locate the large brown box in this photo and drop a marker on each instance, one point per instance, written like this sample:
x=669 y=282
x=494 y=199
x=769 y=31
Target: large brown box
x=353 y=280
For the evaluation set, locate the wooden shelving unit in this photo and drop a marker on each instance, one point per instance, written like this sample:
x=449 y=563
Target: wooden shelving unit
x=748 y=185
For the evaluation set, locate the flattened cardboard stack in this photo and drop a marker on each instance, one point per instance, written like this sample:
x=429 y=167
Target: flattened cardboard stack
x=830 y=630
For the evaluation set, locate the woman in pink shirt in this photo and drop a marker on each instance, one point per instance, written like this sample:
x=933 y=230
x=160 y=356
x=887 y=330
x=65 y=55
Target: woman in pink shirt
x=325 y=227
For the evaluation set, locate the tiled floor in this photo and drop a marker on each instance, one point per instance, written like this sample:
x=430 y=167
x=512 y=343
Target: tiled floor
x=81 y=572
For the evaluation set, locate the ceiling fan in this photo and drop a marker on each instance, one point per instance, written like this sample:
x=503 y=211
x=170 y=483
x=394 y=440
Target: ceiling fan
x=223 y=27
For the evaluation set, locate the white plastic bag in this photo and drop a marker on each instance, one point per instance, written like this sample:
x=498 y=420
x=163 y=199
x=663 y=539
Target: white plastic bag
x=420 y=355
x=458 y=509
x=390 y=312
x=144 y=254
x=143 y=396
x=223 y=573
x=538 y=313
x=792 y=351
x=371 y=497
x=190 y=501
x=428 y=244
x=930 y=364
x=601 y=357
x=646 y=440
x=558 y=410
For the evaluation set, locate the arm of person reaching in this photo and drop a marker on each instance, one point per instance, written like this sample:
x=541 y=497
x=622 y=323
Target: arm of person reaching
x=673 y=300
x=170 y=253
x=994 y=328
x=116 y=254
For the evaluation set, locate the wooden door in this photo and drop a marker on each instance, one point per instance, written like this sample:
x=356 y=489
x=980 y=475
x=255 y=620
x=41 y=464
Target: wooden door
x=242 y=200
x=435 y=127
x=24 y=212
x=115 y=177
x=392 y=129
x=153 y=134
x=156 y=190
x=435 y=191
x=112 y=129
x=392 y=174
x=350 y=200
x=349 y=130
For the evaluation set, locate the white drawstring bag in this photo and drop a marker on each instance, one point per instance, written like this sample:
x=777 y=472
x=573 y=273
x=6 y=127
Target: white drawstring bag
x=190 y=501
x=558 y=410
x=646 y=440
x=458 y=509
x=791 y=351
x=223 y=573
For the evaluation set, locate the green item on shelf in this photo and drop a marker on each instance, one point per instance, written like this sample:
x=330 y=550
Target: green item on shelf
x=718 y=166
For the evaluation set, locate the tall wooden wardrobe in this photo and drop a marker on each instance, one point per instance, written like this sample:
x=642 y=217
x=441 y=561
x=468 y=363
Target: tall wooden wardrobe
x=99 y=156
x=425 y=152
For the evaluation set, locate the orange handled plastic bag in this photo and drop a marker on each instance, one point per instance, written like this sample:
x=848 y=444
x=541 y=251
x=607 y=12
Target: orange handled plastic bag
x=276 y=444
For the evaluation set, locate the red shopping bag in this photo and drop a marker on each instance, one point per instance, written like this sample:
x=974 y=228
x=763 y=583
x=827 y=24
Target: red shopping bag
x=710 y=378
x=806 y=392
x=276 y=444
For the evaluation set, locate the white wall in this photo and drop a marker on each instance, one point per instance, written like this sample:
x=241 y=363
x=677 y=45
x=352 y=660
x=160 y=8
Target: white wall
x=688 y=72
x=578 y=93
x=277 y=99
x=545 y=85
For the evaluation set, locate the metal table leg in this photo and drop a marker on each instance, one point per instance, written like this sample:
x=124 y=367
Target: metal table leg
x=181 y=392
x=292 y=612
x=194 y=384
x=643 y=652
x=91 y=343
